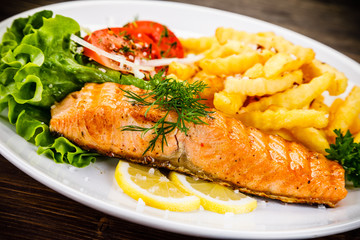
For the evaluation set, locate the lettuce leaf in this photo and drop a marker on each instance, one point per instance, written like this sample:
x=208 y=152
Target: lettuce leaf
x=39 y=66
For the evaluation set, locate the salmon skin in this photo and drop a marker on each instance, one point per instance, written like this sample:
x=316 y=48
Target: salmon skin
x=223 y=150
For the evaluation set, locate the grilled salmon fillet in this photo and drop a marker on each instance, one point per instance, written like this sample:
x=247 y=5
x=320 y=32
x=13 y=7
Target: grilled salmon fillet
x=223 y=150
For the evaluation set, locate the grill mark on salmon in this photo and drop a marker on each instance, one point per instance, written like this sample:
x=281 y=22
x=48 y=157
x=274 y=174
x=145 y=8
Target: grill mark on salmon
x=224 y=150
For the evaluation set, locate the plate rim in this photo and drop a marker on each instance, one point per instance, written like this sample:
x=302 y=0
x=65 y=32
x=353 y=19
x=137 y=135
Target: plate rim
x=155 y=222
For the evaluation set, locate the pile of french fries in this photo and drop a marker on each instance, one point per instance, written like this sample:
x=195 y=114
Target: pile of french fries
x=269 y=83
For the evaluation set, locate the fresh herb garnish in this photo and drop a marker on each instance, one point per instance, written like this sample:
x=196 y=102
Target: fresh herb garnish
x=164 y=33
x=173 y=45
x=166 y=53
x=125 y=35
x=168 y=95
x=150 y=50
x=346 y=152
x=162 y=53
x=125 y=49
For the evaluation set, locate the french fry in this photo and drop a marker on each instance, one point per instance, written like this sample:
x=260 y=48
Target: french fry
x=305 y=55
x=265 y=55
x=312 y=138
x=345 y=114
x=281 y=45
x=319 y=105
x=255 y=71
x=229 y=48
x=224 y=34
x=282 y=118
x=262 y=39
x=288 y=61
x=272 y=84
x=334 y=107
x=277 y=43
x=262 y=86
x=357 y=138
x=182 y=71
x=295 y=97
x=229 y=65
x=354 y=128
x=267 y=40
x=317 y=68
x=228 y=103
x=266 y=35
x=214 y=83
x=197 y=45
x=279 y=63
x=173 y=76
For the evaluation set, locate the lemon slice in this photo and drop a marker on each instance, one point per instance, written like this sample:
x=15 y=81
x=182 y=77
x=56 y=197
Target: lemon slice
x=215 y=197
x=154 y=188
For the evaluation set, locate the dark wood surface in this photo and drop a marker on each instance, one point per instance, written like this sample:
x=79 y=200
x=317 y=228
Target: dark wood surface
x=30 y=210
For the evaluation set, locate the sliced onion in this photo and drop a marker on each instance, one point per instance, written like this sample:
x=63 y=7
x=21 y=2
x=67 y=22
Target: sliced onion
x=117 y=58
x=145 y=65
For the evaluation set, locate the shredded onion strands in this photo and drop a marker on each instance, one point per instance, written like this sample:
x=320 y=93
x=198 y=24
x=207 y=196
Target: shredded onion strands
x=117 y=58
x=145 y=65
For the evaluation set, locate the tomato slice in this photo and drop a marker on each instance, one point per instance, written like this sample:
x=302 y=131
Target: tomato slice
x=123 y=41
x=168 y=44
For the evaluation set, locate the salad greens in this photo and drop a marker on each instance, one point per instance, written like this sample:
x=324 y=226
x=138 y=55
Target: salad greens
x=39 y=66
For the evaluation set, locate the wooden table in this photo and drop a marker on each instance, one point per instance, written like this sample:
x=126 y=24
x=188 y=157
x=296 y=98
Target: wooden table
x=30 y=210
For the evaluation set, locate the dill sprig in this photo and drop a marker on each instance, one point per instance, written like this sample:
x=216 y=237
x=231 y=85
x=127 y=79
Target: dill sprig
x=168 y=94
x=346 y=152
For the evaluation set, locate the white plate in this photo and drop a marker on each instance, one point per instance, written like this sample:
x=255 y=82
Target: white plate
x=94 y=185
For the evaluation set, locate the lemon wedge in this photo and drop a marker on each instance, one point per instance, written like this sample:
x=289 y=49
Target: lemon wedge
x=154 y=188
x=215 y=197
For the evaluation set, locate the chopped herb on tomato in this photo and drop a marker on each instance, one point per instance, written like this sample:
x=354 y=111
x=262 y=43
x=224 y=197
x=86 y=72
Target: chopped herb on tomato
x=161 y=35
x=126 y=49
x=127 y=42
x=164 y=34
x=138 y=39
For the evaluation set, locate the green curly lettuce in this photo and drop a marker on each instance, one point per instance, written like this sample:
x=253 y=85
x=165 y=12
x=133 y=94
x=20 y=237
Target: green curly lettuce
x=39 y=66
